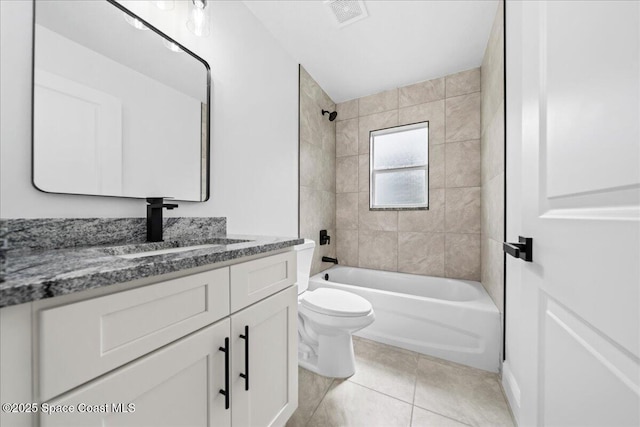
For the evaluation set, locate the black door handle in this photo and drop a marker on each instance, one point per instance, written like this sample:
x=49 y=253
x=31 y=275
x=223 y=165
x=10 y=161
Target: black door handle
x=522 y=250
x=245 y=337
x=225 y=392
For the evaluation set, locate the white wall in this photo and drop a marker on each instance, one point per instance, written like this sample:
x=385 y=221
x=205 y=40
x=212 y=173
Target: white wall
x=254 y=121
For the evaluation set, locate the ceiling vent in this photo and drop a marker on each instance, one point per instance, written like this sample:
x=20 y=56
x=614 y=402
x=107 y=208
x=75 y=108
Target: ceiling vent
x=347 y=12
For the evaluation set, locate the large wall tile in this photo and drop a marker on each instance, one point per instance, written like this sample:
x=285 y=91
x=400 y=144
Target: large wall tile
x=317 y=205
x=347 y=211
x=310 y=122
x=492 y=275
x=462 y=210
x=320 y=251
x=375 y=220
x=436 y=166
x=463 y=117
x=463 y=83
x=493 y=208
x=374 y=122
x=455 y=177
x=421 y=253
x=347 y=174
x=347 y=137
x=462 y=161
x=363 y=172
x=462 y=256
x=433 y=112
x=347 y=247
x=378 y=249
x=492 y=76
x=492 y=150
x=383 y=101
x=420 y=93
x=425 y=220
x=347 y=110
x=493 y=146
x=317 y=168
x=317 y=212
x=310 y=88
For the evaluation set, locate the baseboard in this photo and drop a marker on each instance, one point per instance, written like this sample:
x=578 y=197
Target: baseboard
x=512 y=390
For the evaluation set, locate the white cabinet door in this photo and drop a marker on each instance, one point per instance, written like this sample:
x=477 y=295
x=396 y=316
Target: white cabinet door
x=178 y=385
x=265 y=336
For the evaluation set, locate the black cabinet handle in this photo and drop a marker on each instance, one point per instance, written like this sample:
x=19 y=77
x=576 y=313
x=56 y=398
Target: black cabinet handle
x=522 y=250
x=225 y=392
x=245 y=337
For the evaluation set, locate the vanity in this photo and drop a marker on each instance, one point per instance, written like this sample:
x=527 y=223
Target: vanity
x=200 y=334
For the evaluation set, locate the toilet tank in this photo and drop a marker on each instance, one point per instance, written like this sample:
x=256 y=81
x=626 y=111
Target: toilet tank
x=304 y=254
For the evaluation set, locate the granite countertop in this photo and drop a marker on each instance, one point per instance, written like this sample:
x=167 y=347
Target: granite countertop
x=33 y=275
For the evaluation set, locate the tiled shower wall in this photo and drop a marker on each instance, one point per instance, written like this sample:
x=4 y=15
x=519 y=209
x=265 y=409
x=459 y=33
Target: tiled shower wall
x=441 y=241
x=317 y=168
x=492 y=143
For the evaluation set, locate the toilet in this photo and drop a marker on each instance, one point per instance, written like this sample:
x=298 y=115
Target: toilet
x=327 y=318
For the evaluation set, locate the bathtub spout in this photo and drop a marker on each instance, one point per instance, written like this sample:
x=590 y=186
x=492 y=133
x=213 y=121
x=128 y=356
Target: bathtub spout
x=329 y=259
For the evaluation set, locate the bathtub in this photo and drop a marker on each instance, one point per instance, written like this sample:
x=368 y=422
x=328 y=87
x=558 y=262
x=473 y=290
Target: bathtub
x=451 y=319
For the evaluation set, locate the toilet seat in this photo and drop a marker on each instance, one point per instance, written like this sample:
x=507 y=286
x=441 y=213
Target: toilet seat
x=335 y=302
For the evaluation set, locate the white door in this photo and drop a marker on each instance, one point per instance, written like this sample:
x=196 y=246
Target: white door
x=573 y=182
x=178 y=385
x=265 y=361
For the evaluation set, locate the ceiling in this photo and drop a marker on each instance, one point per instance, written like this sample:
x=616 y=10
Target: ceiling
x=401 y=42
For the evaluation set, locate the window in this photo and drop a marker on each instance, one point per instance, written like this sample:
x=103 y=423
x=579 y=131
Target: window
x=399 y=167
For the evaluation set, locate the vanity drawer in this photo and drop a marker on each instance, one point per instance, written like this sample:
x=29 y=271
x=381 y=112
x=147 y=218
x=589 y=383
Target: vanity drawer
x=83 y=340
x=255 y=280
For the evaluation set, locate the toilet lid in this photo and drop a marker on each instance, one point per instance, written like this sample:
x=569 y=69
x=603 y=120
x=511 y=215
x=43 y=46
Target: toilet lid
x=335 y=302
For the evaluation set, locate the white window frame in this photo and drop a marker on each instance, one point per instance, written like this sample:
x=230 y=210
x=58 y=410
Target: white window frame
x=373 y=172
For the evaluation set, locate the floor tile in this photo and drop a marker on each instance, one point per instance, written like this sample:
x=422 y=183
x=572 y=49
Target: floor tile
x=423 y=418
x=470 y=395
x=311 y=389
x=386 y=369
x=348 y=405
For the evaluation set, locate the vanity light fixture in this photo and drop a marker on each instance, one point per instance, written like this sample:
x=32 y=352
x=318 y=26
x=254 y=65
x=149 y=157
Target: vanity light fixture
x=198 y=22
x=171 y=46
x=135 y=23
x=165 y=4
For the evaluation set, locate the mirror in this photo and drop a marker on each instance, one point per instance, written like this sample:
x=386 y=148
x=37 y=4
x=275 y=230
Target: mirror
x=119 y=108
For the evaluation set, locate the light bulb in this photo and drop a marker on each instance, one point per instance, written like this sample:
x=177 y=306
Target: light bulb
x=165 y=4
x=134 y=22
x=198 y=22
x=171 y=46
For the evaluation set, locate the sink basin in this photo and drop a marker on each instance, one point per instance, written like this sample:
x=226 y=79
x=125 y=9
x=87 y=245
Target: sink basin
x=167 y=251
x=140 y=250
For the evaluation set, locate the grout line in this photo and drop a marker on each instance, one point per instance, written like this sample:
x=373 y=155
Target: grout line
x=319 y=402
x=442 y=415
x=380 y=392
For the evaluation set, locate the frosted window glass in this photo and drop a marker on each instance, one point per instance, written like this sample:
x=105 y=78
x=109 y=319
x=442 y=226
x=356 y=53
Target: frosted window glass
x=400 y=188
x=401 y=149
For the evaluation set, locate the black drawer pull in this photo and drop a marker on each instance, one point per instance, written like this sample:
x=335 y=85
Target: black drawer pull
x=225 y=392
x=245 y=337
x=522 y=250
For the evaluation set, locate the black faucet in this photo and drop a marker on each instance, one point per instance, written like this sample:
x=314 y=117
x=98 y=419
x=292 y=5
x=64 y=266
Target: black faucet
x=154 y=217
x=329 y=259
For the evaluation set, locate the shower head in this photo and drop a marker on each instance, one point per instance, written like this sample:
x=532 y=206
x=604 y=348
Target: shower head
x=332 y=115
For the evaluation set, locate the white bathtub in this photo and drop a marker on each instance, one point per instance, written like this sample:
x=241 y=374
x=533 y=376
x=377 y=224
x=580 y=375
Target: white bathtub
x=451 y=319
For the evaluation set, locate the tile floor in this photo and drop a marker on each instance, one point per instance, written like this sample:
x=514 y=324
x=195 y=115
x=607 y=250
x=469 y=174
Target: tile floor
x=396 y=387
